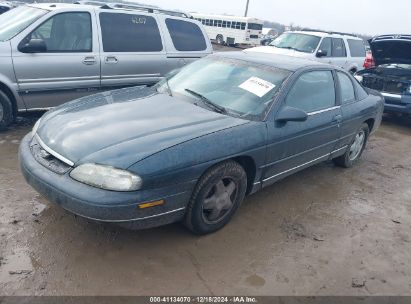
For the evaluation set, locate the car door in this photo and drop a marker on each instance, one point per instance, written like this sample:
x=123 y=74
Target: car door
x=335 y=52
x=66 y=69
x=133 y=51
x=296 y=145
x=353 y=108
x=339 y=53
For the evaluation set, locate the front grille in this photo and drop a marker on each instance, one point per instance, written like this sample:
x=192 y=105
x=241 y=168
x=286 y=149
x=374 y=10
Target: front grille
x=47 y=160
x=384 y=85
x=254 y=36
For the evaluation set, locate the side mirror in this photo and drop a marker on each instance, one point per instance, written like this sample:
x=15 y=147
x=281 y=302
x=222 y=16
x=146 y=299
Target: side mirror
x=321 y=53
x=291 y=114
x=33 y=46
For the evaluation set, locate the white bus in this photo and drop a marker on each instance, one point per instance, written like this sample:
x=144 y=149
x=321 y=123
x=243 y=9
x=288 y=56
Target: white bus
x=231 y=30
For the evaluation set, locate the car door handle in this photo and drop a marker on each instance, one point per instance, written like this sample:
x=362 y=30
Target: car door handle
x=111 y=59
x=337 y=118
x=89 y=60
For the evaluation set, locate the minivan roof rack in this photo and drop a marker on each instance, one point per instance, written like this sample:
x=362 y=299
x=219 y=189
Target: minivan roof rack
x=130 y=6
x=328 y=32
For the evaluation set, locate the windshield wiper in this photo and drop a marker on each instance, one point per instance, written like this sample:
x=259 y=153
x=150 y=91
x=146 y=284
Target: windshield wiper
x=285 y=47
x=208 y=102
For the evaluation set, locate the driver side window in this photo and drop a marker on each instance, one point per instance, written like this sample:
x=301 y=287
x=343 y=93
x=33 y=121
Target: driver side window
x=313 y=91
x=326 y=47
x=66 y=32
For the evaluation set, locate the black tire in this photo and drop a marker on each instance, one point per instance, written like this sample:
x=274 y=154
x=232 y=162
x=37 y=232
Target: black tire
x=6 y=111
x=348 y=159
x=198 y=218
x=220 y=40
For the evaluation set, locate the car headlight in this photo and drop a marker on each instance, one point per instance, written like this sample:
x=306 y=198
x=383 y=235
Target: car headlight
x=35 y=128
x=106 y=177
x=359 y=78
x=409 y=89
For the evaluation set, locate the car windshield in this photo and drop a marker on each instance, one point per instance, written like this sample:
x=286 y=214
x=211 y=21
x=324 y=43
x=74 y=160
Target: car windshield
x=299 y=42
x=229 y=86
x=16 y=20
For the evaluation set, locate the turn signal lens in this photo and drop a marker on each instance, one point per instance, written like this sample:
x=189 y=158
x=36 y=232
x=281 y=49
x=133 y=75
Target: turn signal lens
x=151 y=204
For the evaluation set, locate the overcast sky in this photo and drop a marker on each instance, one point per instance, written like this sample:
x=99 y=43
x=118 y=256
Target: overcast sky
x=359 y=16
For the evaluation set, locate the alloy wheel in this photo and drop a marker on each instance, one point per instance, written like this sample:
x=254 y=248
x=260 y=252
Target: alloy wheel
x=357 y=145
x=219 y=201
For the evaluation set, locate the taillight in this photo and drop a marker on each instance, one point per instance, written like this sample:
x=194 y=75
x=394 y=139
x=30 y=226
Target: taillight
x=369 y=61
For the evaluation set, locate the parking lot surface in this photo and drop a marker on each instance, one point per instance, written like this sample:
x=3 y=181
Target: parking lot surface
x=323 y=231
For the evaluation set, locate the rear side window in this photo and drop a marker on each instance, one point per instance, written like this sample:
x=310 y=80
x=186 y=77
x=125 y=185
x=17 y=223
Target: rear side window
x=346 y=87
x=186 y=36
x=357 y=48
x=338 y=48
x=361 y=93
x=313 y=91
x=130 y=33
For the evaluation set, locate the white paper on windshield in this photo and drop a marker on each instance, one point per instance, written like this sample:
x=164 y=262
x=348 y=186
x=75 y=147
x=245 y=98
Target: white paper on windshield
x=257 y=86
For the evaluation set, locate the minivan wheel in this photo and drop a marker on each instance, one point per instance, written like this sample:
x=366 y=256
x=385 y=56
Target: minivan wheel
x=355 y=149
x=6 y=111
x=220 y=39
x=216 y=198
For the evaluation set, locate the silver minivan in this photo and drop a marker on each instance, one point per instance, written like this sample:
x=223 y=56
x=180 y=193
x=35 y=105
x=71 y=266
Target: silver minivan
x=53 y=53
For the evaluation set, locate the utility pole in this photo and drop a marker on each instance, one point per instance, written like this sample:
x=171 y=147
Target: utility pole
x=246 y=8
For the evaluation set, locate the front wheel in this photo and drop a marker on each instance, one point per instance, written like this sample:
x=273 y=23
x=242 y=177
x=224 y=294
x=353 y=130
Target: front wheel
x=6 y=111
x=216 y=198
x=356 y=148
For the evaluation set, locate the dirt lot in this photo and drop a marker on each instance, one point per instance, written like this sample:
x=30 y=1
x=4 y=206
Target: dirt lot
x=323 y=231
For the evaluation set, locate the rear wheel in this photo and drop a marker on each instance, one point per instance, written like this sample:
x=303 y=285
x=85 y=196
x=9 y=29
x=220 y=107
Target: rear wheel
x=216 y=198
x=220 y=39
x=356 y=148
x=6 y=111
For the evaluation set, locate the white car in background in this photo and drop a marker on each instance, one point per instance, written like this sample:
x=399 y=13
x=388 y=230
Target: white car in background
x=339 y=49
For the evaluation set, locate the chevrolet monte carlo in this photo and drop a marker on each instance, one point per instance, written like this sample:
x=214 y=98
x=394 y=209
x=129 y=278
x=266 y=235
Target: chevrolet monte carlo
x=193 y=146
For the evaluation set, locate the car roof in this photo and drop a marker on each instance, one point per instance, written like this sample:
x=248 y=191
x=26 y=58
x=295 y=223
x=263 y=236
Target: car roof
x=273 y=60
x=55 y=6
x=98 y=5
x=326 y=34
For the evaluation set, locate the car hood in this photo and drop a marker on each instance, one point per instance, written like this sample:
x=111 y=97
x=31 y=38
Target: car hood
x=278 y=51
x=391 y=51
x=122 y=127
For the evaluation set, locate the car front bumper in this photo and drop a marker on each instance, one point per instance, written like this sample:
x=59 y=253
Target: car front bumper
x=397 y=103
x=103 y=205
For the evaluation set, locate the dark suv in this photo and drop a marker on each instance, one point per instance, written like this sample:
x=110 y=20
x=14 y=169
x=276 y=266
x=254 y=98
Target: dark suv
x=392 y=73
